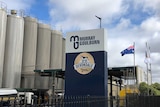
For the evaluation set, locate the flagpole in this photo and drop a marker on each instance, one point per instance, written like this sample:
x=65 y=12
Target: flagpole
x=131 y=50
x=134 y=69
x=147 y=68
x=150 y=64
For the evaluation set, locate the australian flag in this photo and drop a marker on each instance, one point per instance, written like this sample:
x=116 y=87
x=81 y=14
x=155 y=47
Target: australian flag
x=129 y=50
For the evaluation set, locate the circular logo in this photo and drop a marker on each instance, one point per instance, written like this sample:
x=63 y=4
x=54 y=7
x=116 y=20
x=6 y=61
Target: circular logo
x=84 y=63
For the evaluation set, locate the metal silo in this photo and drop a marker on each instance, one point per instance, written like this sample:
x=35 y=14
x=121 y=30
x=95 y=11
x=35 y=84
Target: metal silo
x=3 y=22
x=13 y=51
x=56 y=50
x=29 y=52
x=43 y=55
x=61 y=81
x=59 y=84
x=57 y=56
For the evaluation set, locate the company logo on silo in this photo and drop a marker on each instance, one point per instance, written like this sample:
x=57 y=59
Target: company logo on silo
x=87 y=40
x=84 y=63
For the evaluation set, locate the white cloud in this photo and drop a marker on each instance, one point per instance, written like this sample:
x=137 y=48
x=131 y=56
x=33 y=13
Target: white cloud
x=82 y=13
x=123 y=24
x=153 y=4
x=149 y=5
x=18 y=4
x=151 y=24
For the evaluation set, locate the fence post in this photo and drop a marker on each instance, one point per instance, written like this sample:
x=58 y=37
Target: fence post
x=88 y=97
x=15 y=102
x=35 y=101
x=118 y=101
x=1 y=103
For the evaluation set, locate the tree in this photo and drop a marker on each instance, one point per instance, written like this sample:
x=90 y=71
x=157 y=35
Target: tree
x=153 y=89
x=156 y=86
x=143 y=88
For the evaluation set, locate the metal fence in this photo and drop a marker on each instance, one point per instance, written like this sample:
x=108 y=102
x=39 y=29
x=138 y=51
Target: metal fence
x=69 y=101
x=142 y=101
x=82 y=101
x=134 y=100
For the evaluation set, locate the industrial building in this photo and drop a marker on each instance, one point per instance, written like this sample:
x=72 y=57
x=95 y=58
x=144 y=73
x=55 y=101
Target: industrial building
x=125 y=77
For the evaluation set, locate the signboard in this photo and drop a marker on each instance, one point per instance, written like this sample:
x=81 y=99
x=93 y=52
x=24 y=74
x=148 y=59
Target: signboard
x=86 y=63
x=86 y=41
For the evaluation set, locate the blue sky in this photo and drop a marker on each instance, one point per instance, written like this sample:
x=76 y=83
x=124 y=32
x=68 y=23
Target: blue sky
x=126 y=21
x=40 y=10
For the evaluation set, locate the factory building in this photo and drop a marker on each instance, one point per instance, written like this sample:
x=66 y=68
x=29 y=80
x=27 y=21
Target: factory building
x=126 y=77
x=26 y=45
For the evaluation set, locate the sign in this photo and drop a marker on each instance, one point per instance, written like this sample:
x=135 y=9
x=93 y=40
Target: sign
x=87 y=40
x=86 y=63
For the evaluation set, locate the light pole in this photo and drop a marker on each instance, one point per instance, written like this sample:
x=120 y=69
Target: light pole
x=99 y=19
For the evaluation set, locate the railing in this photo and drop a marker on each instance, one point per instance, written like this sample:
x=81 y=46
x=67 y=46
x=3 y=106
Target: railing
x=142 y=101
x=81 y=101
x=69 y=101
x=3 y=6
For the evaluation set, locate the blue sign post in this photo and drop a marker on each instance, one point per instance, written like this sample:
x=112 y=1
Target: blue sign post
x=86 y=63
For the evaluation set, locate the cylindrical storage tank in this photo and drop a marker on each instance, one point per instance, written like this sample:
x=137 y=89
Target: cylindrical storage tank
x=61 y=81
x=56 y=55
x=13 y=51
x=43 y=55
x=59 y=84
x=29 y=52
x=56 y=50
x=3 y=22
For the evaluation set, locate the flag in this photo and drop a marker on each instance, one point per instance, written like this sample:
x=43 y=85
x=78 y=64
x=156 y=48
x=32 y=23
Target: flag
x=147 y=59
x=129 y=50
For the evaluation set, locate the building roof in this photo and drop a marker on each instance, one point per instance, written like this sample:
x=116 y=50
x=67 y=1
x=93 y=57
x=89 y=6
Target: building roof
x=121 y=72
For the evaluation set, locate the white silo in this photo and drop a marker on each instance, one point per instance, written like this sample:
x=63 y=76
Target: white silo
x=56 y=50
x=61 y=81
x=43 y=55
x=3 y=22
x=57 y=56
x=29 y=52
x=59 y=84
x=63 y=59
x=13 y=51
